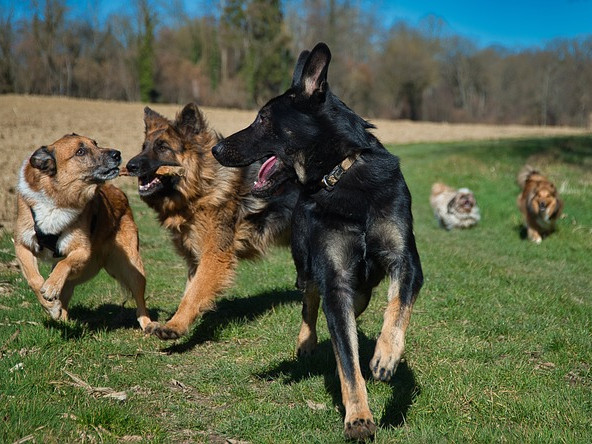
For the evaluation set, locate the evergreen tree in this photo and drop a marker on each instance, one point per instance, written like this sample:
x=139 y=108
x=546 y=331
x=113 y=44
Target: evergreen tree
x=268 y=61
x=146 y=54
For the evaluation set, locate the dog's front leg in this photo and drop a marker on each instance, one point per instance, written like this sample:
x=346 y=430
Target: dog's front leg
x=534 y=235
x=307 y=338
x=69 y=267
x=338 y=308
x=214 y=273
x=28 y=264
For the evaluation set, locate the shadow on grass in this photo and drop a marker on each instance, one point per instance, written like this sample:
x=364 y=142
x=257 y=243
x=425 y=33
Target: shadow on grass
x=228 y=310
x=111 y=317
x=106 y=317
x=404 y=388
x=521 y=230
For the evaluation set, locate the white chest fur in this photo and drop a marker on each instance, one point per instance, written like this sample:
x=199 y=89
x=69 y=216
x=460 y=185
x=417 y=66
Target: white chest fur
x=50 y=218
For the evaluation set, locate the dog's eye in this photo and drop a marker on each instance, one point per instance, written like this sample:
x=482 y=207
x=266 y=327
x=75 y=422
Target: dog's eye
x=81 y=151
x=162 y=148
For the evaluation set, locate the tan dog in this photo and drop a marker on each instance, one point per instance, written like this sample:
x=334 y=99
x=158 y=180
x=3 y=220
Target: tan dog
x=213 y=218
x=454 y=208
x=539 y=203
x=67 y=214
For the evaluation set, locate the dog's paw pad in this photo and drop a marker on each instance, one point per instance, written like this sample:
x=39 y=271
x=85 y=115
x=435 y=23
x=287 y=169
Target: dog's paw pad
x=162 y=331
x=360 y=429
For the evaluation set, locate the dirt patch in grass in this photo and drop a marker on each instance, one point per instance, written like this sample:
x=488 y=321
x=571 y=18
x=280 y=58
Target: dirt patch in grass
x=28 y=122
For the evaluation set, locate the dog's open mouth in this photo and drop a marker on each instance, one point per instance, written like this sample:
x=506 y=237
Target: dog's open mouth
x=271 y=176
x=148 y=185
x=103 y=174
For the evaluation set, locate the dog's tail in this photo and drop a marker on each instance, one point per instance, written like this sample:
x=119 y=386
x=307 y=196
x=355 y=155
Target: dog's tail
x=524 y=174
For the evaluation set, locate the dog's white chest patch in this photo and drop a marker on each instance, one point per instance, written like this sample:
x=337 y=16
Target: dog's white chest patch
x=49 y=218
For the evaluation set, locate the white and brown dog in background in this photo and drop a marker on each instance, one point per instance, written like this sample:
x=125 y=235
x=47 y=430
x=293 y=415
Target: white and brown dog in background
x=538 y=202
x=68 y=215
x=454 y=208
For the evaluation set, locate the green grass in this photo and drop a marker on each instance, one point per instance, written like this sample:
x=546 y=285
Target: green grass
x=499 y=348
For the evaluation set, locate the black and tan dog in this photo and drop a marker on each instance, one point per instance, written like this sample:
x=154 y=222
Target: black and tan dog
x=538 y=202
x=351 y=226
x=213 y=219
x=68 y=215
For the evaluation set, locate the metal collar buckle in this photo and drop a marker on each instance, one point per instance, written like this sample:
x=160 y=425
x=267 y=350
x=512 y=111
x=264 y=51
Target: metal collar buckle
x=329 y=180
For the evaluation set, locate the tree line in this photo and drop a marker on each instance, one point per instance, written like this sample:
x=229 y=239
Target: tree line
x=240 y=53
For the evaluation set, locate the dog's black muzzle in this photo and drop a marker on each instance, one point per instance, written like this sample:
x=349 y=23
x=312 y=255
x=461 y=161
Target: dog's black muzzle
x=140 y=165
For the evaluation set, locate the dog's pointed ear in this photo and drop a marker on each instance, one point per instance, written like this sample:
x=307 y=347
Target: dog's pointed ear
x=190 y=120
x=299 y=67
x=152 y=119
x=313 y=80
x=43 y=160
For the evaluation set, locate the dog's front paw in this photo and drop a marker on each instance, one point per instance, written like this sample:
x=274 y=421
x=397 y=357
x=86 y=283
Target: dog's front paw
x=384 y=363
x=51 y=290
x=164 y=332
x=306 y=345
x=54 y=310
x=360 y=429
x=383 y=367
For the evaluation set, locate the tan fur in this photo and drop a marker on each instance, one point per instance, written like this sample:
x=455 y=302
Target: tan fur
x=454 y=208
x=538 y=202
x=213 y=219
x=93 y=221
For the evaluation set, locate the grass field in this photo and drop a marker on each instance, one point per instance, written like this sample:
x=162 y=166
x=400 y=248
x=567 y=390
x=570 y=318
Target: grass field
x=499 y=348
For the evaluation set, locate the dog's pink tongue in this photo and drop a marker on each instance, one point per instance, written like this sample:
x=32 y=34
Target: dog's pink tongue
x=266 y=169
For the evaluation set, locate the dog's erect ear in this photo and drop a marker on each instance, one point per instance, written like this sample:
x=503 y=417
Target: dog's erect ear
x=152 y=119
x=43 y=159
x=190 y=120
x=299 y=67
x=313 y=80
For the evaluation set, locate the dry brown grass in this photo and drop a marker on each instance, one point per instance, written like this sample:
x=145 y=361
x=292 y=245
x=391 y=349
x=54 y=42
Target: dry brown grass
x=27 y=122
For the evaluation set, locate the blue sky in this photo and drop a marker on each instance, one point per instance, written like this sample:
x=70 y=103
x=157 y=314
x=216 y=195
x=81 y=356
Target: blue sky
x=514 y=24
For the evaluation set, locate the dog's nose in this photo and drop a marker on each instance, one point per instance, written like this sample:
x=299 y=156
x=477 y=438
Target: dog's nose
x=133 y=165
x=115 y=155
x=542 y=205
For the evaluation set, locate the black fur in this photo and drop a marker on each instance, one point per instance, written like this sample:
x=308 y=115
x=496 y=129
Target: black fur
x=345 y=239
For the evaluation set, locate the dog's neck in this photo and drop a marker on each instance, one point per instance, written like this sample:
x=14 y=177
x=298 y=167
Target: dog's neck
x=329 y=181
x=48 y=217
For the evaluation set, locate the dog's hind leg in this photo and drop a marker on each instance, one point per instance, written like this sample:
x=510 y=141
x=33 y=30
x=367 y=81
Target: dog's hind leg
x=307 y=338
x=65 y=297
x=125 y=265
x=390 y=345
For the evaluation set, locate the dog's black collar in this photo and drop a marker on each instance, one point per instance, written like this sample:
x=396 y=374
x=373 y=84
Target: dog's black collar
x=329 y=180
x=49 y=241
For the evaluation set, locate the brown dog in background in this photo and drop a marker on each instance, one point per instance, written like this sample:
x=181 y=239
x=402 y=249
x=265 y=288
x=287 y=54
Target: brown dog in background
x=209 y=210
x=68 y=215
x=539 y=203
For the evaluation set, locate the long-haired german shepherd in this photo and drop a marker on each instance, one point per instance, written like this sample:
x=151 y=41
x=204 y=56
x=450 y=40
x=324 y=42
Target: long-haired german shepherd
x=352 y=224
x=209 y=210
